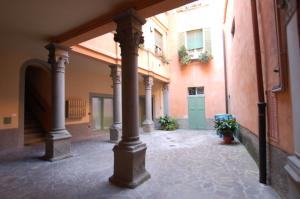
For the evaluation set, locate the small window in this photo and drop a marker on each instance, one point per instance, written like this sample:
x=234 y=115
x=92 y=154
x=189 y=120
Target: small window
x=158 y=41
x=196 y=90
x=194 y=39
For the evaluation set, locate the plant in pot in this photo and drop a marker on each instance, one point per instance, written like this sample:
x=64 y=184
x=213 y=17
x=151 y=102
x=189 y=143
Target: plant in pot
x=226 y=129
x=167 y=123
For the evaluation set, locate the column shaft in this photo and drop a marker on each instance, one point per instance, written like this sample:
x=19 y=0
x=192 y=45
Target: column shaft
x=116 y=127
x=58 y=96
x=166 y=99
x=130 y=95
x=148 y=125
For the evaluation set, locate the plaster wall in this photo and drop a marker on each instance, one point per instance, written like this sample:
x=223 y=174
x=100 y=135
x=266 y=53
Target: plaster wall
x=240 y=55
x=84 y=75
x=196 y=74
x=241 y=71
x=271 y=61
x=148 y=60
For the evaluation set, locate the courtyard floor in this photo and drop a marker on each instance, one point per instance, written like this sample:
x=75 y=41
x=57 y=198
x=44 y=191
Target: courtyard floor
x=183 y=164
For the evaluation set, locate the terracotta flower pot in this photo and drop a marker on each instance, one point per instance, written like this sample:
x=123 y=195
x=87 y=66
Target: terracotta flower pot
x=227 y=139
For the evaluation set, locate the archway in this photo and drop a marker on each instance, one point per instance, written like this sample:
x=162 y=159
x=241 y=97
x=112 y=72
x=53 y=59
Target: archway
x=35 y=101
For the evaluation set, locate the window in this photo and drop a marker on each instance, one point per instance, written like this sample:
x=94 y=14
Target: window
x=158 y=41
x=196 y=90
x=194 y=39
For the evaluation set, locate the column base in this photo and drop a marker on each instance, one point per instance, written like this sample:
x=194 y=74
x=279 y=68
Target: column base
x=58 y=145
x=293 y=169
x=129 y=165
x=115 y=132
x=148 y=126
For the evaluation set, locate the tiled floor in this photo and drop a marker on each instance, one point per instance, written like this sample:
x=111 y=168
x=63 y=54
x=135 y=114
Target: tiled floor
x=183 y=164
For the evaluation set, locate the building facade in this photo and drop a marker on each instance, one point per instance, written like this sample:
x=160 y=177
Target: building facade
x=242 y=96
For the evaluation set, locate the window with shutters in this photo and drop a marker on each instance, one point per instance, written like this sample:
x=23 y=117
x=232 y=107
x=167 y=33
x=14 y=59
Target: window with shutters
x=158 y=42
x=196 y=41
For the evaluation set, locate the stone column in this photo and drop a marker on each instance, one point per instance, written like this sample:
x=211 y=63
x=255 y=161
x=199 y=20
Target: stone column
x=166 y=99
x=58 y=140
x=116 y=128
x=130 y=152
x=148 y=124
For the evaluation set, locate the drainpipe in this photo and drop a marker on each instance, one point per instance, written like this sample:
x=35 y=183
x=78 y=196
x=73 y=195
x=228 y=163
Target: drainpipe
x=225 y=73
x=261 y=98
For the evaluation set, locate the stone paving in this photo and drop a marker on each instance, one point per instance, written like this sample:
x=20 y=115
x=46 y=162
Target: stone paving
x=183 y=164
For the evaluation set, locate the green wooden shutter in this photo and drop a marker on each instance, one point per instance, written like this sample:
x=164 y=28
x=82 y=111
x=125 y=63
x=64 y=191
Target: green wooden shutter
x=181 y=41
x=207 y=39
x=194 y=39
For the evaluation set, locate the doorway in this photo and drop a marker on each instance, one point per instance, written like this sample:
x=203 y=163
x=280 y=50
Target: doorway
x=37 y=108
x=196 y=108
x=102 y=112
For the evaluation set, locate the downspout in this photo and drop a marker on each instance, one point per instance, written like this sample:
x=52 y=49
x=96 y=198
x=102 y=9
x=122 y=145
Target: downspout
x=261 y=98
x=225 y=73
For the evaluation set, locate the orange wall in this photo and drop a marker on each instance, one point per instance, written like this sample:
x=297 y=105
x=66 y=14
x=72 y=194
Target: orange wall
x=241 y=65
x=196 y=74
x=270 y=56
x=240 y=55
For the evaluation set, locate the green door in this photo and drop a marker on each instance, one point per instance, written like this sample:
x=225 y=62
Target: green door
x=196 y=107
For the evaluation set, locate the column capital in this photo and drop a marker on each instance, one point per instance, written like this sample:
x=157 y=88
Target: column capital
x=148 y=80
x=57 y=53
x=116 y=73
x=129 y=34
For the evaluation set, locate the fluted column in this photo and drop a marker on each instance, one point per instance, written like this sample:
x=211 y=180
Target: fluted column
x=58 y=144
x=130 y=152
x=116 y=128
x=148 y=124
x=166 y=99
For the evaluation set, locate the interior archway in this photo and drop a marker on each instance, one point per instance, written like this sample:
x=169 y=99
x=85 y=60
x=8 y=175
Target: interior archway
x=35 y=101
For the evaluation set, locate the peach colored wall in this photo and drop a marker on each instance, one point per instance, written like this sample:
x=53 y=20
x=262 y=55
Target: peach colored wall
x=148 y=60
x=241 y=65
x=270 y=56
x=240 y=55
x=22 y=49
x=86 y=75
x=195 y=74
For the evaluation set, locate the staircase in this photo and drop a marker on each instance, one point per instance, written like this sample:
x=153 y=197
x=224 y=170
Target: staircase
x=33 y=131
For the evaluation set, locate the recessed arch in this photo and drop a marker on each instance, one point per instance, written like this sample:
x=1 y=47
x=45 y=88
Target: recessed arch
x=38 y=63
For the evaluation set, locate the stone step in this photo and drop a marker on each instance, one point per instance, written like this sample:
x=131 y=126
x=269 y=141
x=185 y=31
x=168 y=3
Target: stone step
x=34 y=141
x=34 y=135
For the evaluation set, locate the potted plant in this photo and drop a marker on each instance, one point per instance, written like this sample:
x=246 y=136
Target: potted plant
x=226 y=128
x=167 y=123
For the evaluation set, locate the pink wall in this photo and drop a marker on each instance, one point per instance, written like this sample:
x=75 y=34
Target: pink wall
x=195 y=74
x=241 y=66
x=240 y=54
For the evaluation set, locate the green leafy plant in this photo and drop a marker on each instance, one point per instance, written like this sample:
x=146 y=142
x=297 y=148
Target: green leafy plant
x=184 y=57
x=167 y=123
x=226 y=127
x=205 y=57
